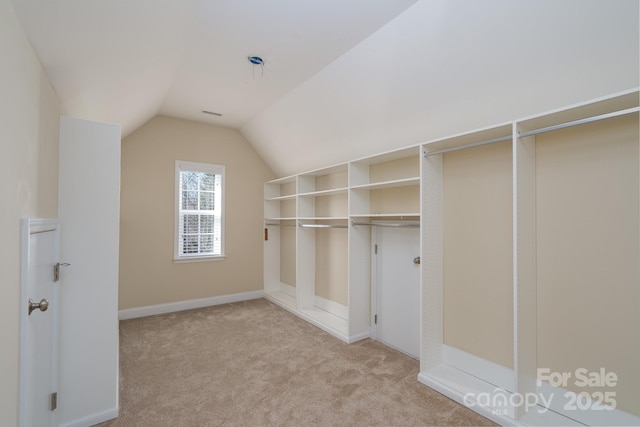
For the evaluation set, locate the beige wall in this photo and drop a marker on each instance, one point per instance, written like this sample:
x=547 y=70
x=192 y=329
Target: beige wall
x=478 y=266
x=29 y=117
x=148 y=274
x=332 y=268
x=408 y=167
x=587 y=216
x=288 y=254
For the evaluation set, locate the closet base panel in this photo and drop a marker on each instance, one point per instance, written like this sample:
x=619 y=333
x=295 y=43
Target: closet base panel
x=281 y=298
x=497 y=405
x=479 y=395
x=328 y=322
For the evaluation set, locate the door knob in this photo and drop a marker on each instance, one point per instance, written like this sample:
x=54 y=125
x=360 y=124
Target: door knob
x=416 y=260
x=43 y=305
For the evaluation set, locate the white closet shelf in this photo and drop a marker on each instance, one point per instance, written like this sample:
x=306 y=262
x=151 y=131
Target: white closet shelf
x=280 y=198
x=405 y=182
x=284 y=180
x=470 y=139
x=281 y=219
x=322 y=218
x=389 y=156
x=329 y=192
x=623 y=101
x=341 y=167
x=409 y=215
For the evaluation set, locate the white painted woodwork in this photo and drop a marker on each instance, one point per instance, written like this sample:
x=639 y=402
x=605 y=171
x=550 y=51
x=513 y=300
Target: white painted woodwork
x=463 y=376
x=397 y=284
x=480 y=377
x=89 y=210
x=39 y=339
x=328 y=268
x=172 y=307
x=524 y=265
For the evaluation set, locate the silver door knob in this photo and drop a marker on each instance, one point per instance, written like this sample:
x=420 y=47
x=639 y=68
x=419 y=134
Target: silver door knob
x=43 y=305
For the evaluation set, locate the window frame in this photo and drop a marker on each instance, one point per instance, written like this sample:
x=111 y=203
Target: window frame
x=182 y=165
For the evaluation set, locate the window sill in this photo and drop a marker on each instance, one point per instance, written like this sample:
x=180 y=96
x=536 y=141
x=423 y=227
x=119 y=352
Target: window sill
x=199 y=259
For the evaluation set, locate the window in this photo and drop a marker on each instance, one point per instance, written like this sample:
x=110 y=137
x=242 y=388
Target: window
x=199 y=211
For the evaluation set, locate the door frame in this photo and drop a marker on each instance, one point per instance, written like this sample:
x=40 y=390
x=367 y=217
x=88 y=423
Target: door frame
x=29 y=226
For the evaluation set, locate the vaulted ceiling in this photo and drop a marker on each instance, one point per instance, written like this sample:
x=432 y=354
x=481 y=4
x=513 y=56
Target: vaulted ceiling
x=125 y=61
x=342 y=78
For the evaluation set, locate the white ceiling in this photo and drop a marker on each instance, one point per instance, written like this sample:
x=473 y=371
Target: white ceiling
x=124 y=61
x=445 y=67
x=343 y=78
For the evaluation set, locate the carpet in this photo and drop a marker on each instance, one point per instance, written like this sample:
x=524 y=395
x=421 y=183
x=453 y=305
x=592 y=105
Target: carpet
x=253 y=364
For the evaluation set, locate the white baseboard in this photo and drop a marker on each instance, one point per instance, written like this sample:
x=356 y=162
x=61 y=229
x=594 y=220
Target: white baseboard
x=152 y=310
x=288 y=289
x=94 y=419
x=358 y=337
x=342 y=311
x=457 y=385
x=565 y=402
x=489 y=371
x=479 y=395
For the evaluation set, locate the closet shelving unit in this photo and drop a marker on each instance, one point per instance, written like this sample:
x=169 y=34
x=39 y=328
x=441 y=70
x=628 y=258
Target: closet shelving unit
x=604 y=136
x=473 y=380
x=443 y=366
x=327 y=203
x=322 y=249
x=386 y=186
x=318 y=209
x=280 y=243
x=384 y=190
x=415 y=183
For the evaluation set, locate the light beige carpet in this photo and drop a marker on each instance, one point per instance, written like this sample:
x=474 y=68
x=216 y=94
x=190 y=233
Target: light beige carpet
x=254 y=364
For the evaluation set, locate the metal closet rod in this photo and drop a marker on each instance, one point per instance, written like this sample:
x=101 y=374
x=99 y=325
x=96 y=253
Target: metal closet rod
x=538 y=131
x=322 y=226
x=579 y=122
x=475 y=144
x=391 y=224
x=268 y=224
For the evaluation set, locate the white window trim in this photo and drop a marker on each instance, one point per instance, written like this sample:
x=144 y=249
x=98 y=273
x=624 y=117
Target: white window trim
x=201 y=167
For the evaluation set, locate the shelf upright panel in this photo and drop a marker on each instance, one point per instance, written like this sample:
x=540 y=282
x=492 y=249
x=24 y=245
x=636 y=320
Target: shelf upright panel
x=432 y=261
x=359 y=270
x=524 y=265
x=305 y=247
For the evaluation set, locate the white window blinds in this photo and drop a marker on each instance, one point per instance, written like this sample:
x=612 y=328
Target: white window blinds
x=199 y=210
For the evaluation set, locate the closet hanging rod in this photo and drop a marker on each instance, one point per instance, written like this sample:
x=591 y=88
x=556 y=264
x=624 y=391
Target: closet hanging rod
x=380 y=224
x=268 y=224
x=322 y=226
x=538 y=131
x=579 y=122
x=463 y=147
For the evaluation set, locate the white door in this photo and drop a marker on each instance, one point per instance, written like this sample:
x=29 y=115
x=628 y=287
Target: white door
x=39 y=326
x=397 y=293
x=89 y=211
